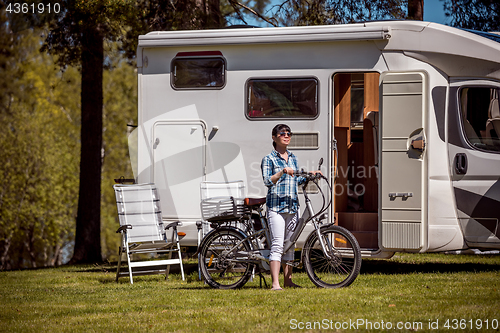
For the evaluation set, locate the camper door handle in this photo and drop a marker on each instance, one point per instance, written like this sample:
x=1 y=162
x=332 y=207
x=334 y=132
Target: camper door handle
x=404 y=195
x=461 y=164
x=418 y=144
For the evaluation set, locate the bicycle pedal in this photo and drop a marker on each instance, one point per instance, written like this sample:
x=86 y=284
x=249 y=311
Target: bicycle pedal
x=295 y=264
x=258 y=256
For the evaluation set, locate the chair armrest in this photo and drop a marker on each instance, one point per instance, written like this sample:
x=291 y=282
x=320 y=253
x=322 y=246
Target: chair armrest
x=173 y=224
x=123 y=227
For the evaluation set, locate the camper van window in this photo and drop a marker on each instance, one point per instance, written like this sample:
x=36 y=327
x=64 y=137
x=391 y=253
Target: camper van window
x=198 y=73
x=481 y=117
x=282 y=98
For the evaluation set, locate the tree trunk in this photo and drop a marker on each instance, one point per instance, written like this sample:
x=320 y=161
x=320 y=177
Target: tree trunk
x=88 y=220
x=416 y=10
x=214 y=16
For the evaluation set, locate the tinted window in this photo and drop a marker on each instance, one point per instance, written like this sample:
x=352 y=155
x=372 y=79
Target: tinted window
x=198 y=73
x=282 y=98
x=481 y=117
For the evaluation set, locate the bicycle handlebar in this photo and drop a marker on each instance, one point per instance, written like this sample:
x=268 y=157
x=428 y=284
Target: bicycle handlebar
x=314 y=177
x=309 y=175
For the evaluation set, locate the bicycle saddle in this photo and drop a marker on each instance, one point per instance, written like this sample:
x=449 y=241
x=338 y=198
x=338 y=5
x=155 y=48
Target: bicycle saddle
x=255 y=201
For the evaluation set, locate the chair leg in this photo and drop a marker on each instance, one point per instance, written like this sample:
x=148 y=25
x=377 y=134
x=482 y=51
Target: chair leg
x=175 y=237
x=199 y=226
x=168 y=266
x=129 y=266
x=120 y=252
x=180 y=259
x=199 y=267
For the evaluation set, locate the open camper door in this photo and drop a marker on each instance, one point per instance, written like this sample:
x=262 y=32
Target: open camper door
x=179 y=150
x=403 y=161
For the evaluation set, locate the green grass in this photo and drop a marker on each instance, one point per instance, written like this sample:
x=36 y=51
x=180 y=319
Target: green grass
x=409 y=288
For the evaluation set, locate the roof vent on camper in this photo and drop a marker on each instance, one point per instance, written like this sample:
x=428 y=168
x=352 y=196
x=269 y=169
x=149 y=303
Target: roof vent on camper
x=241 y=26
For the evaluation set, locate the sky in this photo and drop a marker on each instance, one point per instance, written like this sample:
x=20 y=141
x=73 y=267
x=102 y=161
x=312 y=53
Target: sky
x=434 y=12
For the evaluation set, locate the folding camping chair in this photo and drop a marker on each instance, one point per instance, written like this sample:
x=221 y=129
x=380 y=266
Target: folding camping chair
x=143 y=232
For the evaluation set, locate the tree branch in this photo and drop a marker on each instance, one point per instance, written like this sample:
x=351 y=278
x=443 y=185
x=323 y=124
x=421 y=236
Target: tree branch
x=237 y=10
x=236 y=3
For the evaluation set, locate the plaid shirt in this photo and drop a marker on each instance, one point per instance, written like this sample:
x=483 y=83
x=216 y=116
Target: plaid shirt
x=281 y=197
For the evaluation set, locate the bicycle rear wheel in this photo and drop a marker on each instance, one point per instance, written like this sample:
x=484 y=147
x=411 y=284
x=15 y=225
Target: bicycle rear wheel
x=222 y=258
x=337 y=268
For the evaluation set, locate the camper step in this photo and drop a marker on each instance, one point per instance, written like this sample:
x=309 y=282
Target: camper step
x=366 y=239
x=358 y=221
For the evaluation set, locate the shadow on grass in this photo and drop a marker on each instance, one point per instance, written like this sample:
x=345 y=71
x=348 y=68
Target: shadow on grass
x=194 y=284
x=369 y=266
x=388 y=267
x=111 y=267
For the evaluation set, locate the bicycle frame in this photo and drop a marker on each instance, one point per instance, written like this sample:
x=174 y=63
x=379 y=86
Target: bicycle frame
x=254 y=237
x=230 y=254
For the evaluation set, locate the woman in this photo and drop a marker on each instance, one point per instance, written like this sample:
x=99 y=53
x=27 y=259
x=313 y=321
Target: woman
x=282 y=202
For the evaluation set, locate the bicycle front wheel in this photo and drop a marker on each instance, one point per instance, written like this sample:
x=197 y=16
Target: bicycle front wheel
x=340 y=263
x=224 y=260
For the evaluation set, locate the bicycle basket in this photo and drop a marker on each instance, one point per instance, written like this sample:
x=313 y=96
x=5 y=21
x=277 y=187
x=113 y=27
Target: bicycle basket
x=222 y=201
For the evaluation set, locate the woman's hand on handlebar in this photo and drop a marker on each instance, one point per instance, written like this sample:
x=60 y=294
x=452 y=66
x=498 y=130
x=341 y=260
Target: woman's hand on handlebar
x=288 y=171
x=279 y=174
x=317 y=174
x=310 y=175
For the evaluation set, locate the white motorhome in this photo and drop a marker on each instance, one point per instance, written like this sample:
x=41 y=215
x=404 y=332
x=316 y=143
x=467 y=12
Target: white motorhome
x=404 y=113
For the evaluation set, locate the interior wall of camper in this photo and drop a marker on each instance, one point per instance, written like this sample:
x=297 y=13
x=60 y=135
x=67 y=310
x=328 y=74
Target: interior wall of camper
x=356 y=107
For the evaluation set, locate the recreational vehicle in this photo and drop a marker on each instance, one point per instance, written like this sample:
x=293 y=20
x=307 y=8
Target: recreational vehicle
x=405 y=115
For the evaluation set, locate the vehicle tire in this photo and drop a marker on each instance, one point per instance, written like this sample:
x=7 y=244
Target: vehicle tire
x=218 y=266
x=343 y=266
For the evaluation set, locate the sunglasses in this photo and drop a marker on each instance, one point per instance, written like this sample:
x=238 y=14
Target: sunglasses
x=285 y=134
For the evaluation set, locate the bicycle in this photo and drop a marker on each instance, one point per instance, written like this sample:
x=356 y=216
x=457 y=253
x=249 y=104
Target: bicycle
x=230 y=255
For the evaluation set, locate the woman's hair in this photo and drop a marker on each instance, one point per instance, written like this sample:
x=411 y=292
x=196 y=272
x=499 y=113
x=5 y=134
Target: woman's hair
x=278 y=128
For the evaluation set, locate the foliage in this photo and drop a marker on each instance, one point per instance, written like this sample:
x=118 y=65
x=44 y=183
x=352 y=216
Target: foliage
x=40 y=154
x=482 y=15
x=39 y=138
x=120 y=110
x=303 y=12
x=66 y=36
x=410 y=288
x=9 y=48
x=156 y=15
x=159 y=15
x=77 y=37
